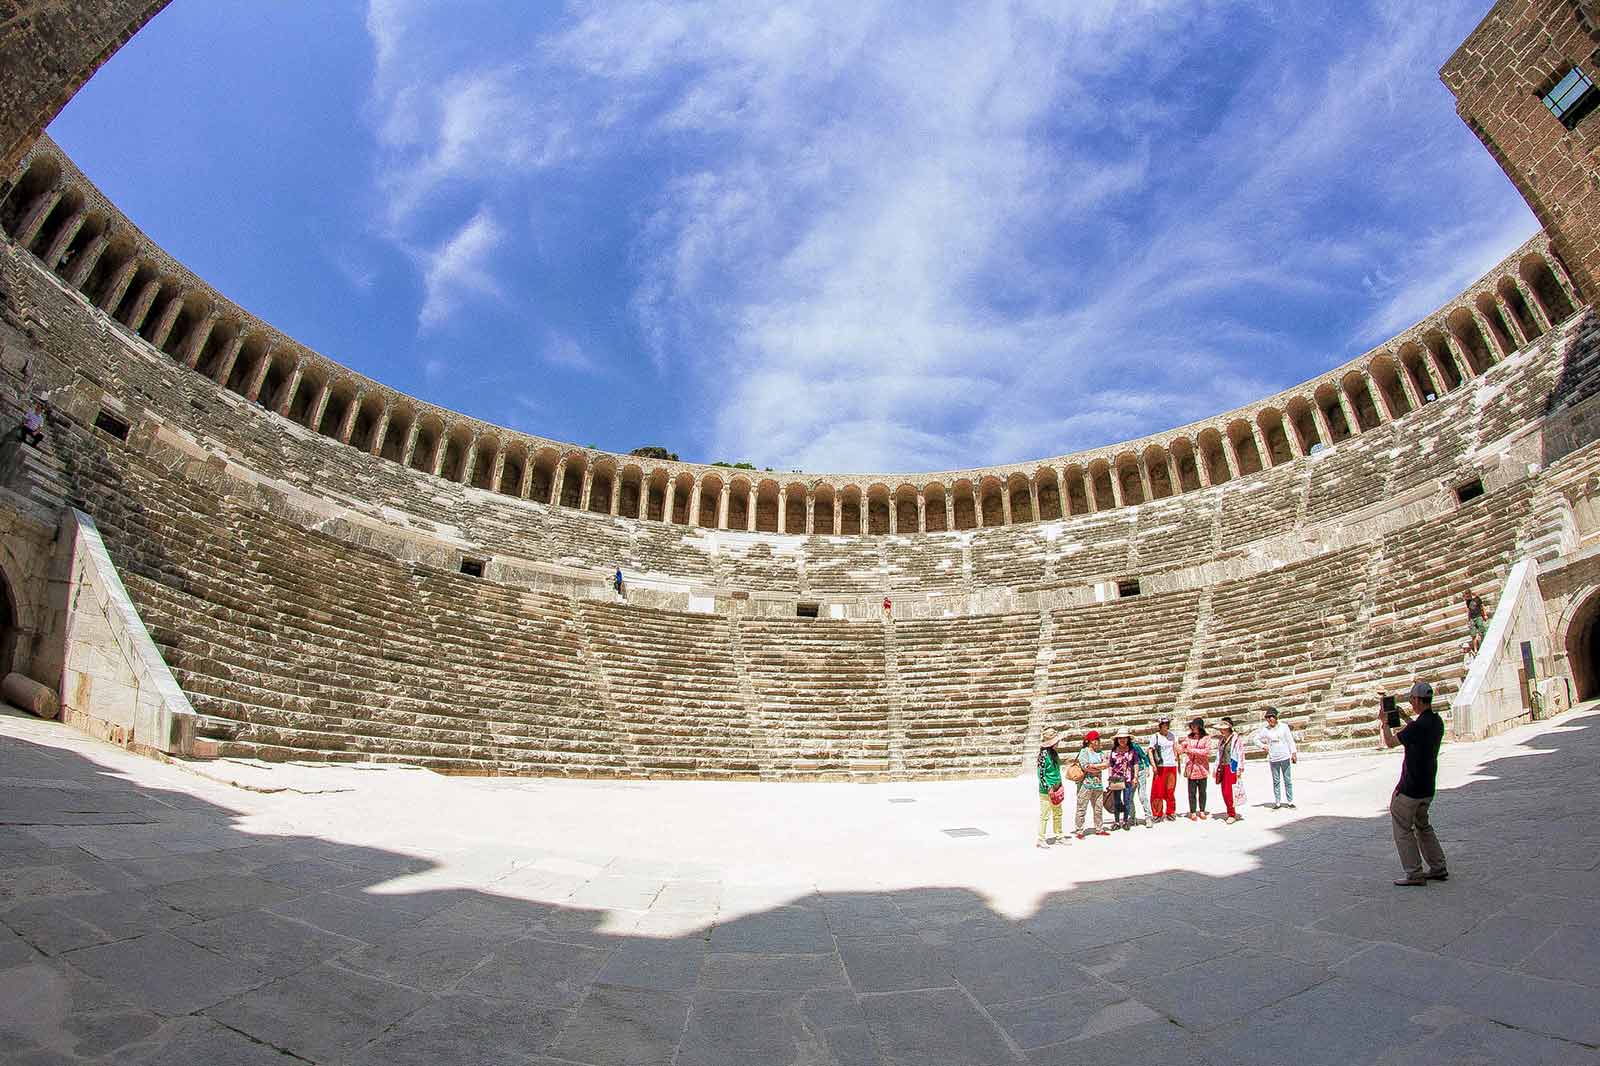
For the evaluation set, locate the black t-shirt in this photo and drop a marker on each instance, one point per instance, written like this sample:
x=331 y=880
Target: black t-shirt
x=1421 y=740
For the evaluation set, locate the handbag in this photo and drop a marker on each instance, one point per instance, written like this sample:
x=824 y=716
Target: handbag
x=1058 y=794
x=1116 y=785
x=1239 y=799
x=1074 y=771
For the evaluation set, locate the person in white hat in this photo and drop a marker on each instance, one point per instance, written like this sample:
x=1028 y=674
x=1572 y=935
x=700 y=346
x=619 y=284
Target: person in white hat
x=1414 y=837
x=1051 y=792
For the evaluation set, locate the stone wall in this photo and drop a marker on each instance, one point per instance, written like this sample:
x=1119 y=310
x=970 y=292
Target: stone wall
x=48 y=49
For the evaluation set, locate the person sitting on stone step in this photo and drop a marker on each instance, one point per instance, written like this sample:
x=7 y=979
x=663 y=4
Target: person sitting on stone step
x=31 y=432
x=1477 y=625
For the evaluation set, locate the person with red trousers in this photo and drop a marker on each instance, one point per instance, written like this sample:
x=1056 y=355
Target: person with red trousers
x=1230 y=762
x=1164 y=770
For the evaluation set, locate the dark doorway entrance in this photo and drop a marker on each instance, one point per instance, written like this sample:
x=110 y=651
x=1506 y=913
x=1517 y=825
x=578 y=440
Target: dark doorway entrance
x=1583 y=647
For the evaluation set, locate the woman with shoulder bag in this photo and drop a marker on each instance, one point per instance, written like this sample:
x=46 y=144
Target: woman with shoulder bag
x=1230 y=763
x=1051 y=792
x=1122 y=787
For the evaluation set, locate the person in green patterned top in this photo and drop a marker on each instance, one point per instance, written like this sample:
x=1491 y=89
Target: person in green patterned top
x=1091 y=788
x=1050 y=794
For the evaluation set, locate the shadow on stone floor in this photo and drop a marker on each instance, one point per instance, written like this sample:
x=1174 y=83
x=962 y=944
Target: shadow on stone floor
x=141 y=926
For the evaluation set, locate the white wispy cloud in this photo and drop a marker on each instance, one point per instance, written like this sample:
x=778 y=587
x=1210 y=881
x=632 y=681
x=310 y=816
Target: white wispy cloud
x=458 y=268
x=890 y=235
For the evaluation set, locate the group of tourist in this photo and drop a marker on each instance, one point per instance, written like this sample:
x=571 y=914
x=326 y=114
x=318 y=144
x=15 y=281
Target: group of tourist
x=1137 y=783
x=1132 y=777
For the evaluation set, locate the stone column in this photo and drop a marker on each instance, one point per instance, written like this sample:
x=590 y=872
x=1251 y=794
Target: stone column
x=1088 y=491
x=225 y=365
x=1536 y=306
x=119 y=285
x=1458 y=352
x=58 y=247
x=977 y=505
x=408 y=449
x=1005 y=503
x=525 y=490
x=198 y=337
x=1033 y=495
x=922 y=512
x=1202 y=469
x=561 y=477
x=862 y=513
x=949 y=509
x=289 y=388
x=1230 y=456
x=723 y=499
x=616 y=494
x=441 y=448
x=1497 y=346
x=838 y=513
x=169 y=318
x=1263 y=452
x=469 y=465
x=258 y=375
x=750 y=511
x=1144 y=477
x=1559 y=272
x=142 y=304
x=1518 y=336
x=348 y=425
x=1291 y=435
x=1320 y=419
x=894 y=515
x=1174 y=475
x=1441 y=383
x=497 y=474
x=783 y=509
x=319 y=406
x=33 y=221
x=380 y=430
x=811 y=512
x=588 y=487
x=88 y=260
x=1114 y=472
x=1380 y=400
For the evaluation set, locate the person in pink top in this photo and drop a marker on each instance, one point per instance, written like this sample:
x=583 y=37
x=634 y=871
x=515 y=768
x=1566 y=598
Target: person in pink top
x=1194 y=752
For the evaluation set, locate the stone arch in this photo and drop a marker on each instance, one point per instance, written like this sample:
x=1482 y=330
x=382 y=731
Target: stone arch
x=302 y=404
x=653 y=504
x=93 y=225
x=1521 y=313
x=1048 y=486
x=739 y=502
x=542 y=481
x=40 y=176
x=193 y=307
x=1414 y=363
x=458 y=444
x=514 y=469
x=850 y=513
x=1182 y=452
x=1125 y=468
x=1386 y=375
x=1208 y=452
x=429 y=438
x=56 y=220
x=878 y=509
x=964 y=504
x=1327 y=400
x=245 y=365
x=219 y=340
x=1354 y=384
x=601 y=479
x=1299 y=420
x=479 y=469
x=341 y=397
x=682 y=491
x=1154 y=458
x=1464 y=327
x=1246 y=454
x=794 y=508
x=401 y=418
x=119 y=252
x=633 y=494
x=905 y=509
x=368 y=414
x=710 y=499
x=1546 y=288
x=767 y=506
x=1499 y=331
x=825 y=503
x=1098 y=475
x=1269 y=420
x=933 y=498
x=1582 y=643
x=1020 y=494
x=13 y=627
x=1439 y=348
x=991 y=505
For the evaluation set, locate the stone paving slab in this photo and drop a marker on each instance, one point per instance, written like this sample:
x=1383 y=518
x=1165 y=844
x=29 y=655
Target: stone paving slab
x=358 y=916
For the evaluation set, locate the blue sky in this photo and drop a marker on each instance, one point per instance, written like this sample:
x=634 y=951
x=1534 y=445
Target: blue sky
x=841 y=235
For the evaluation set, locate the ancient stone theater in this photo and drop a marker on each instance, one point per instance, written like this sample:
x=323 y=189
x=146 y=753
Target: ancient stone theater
x=232 y=545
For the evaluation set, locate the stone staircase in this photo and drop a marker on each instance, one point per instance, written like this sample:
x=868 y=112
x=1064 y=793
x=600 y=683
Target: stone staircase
x=35 y=473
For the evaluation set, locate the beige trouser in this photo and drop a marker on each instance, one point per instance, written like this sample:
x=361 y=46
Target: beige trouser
x=1049 y=813
x=1089 y=797
x=1413 y=835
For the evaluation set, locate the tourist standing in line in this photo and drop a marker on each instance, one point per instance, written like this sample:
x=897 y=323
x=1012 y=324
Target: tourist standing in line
x=1091 y=789
x=1414 y=837
x=1123 y=780
x=1278 y=739
x=1164 y=775
x=1051 y=791
x=1141 y=764
x=1195 y=751
x=1230 y=763
x=1477 y=625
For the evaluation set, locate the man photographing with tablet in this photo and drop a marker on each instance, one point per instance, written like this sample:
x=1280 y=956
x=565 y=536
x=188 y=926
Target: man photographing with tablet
x=1413 y=832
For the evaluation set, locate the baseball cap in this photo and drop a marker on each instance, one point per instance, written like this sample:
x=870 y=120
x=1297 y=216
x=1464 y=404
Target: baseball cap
x=1092 y=736
x=1422 y=690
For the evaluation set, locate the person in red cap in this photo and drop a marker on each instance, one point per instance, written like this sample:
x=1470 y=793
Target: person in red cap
x=1092 y=787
